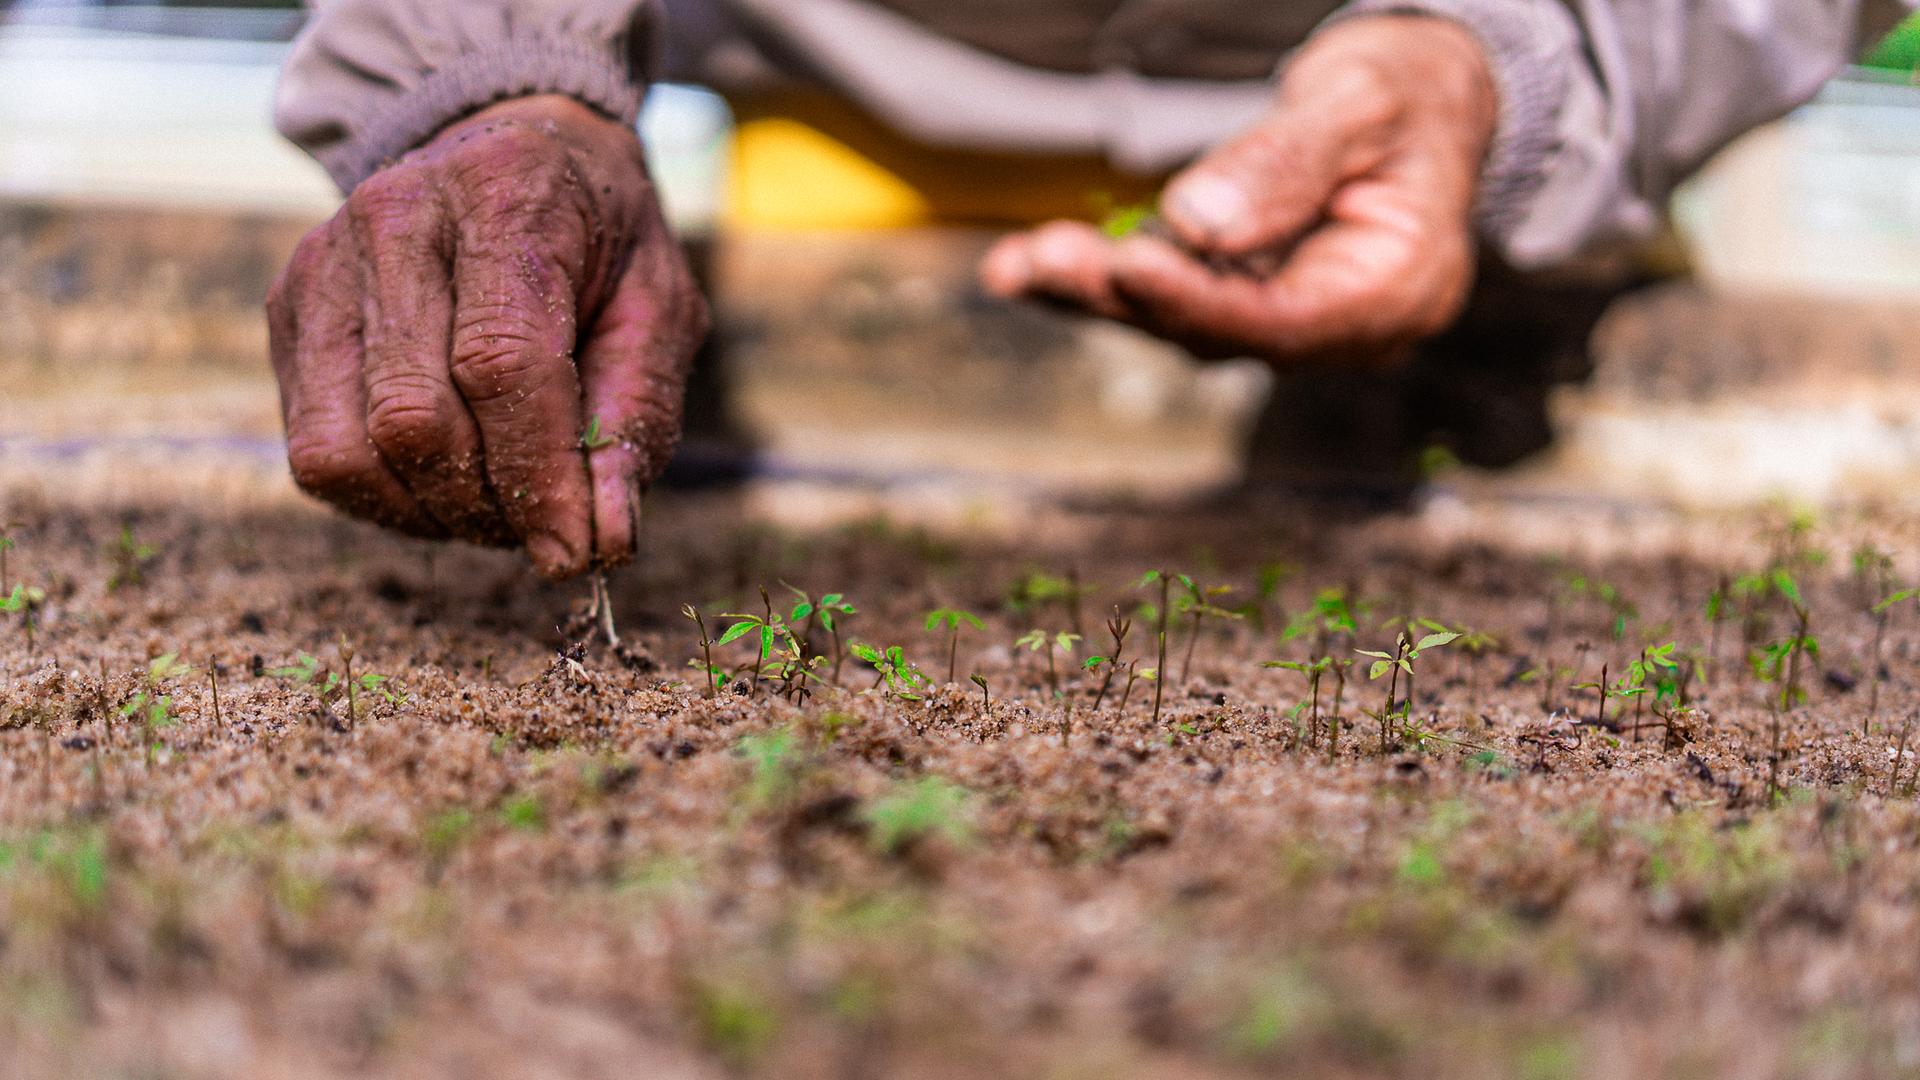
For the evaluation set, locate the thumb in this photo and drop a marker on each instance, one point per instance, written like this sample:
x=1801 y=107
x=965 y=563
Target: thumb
x=1267 y=187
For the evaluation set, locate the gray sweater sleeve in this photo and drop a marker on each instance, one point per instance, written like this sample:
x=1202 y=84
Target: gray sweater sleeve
x=1606 y=105
x=370 y=79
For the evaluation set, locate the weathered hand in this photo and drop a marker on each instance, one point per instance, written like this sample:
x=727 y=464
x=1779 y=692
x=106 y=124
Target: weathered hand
x=448 y=341
x=1356 y=192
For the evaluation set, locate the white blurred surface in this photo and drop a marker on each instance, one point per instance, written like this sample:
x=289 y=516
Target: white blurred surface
x=114 y=117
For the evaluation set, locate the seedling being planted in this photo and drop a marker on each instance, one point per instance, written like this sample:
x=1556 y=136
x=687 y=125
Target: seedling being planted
x=1405 y=653
x=952 y=619
x=1040 y=641
x=600 y=609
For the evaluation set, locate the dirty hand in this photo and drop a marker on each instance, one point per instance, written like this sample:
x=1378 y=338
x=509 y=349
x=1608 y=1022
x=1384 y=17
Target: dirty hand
x=490 y=341
x=1339 y=227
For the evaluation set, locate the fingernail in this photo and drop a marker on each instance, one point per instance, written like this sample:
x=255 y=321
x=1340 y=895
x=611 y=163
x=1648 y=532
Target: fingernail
x=549 y=553
x=1211 y=204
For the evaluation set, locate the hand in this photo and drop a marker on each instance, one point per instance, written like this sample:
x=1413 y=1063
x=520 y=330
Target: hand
x=448 y=341
x=1353 y=197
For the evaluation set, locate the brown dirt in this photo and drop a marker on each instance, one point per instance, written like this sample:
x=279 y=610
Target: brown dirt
x=548 y=864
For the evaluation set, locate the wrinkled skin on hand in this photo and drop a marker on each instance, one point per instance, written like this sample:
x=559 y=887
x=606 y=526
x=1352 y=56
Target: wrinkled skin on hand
x=445 y=344
x=1354 y=196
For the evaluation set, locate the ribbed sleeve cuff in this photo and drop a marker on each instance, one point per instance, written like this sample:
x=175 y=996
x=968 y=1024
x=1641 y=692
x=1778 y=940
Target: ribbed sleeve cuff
x=476 y=79
x=1531 y=50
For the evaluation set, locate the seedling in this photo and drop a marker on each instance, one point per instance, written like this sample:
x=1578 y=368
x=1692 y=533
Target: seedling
x=151 y=705
x=130 y=559
x=328 y=685
x=1037 y=590
x=986 y=699
x=25 y=601
x=823 y=612
x=1118 y=627
x=1039 y=641
x=1781 y=662
x=7 y=544
x=1136 y=673
x=1165 y=580
x=715 y=677
x=766 y=629
x=1313 y=670
x=1330 y=615
x=1405 y=652
x=952 y=619
x=1198 y=603
x=1654 y=672
x=1620 y=610
x=916 y=810
x=1882 y=612
x=893 y=671
x=594 y=438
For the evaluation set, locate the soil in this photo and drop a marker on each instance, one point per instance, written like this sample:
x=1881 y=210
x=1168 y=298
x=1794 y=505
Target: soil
x=524 y=856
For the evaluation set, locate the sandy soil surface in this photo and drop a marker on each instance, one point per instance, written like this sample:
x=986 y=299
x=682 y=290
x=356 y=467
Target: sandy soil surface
x=504 y=855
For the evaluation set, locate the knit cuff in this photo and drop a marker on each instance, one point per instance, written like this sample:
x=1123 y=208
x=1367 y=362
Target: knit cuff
x=1531 y=51
x=483 y=76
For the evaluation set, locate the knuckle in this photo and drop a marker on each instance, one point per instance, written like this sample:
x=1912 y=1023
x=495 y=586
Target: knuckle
x=325 y=469
x=501 y=356
x=388 y=203
x=405 y=421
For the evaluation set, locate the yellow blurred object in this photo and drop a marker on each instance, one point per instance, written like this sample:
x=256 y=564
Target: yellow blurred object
x=811 y=161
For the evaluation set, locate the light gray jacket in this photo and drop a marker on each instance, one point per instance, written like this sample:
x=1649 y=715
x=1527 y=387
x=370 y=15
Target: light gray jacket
x=1605 y=104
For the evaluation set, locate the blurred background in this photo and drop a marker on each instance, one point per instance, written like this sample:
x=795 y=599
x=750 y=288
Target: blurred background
x=1766 y=347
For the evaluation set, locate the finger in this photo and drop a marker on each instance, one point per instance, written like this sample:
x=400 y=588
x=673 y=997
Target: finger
x=1006 y=271
x=1346 y=288
x=415 y=416
x=633 y=373
x=315 y=327
x=1267 y=187
x=1070 y=261
x=513 y=339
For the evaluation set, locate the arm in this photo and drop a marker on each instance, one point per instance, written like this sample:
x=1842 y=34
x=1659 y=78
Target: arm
x=490 y=340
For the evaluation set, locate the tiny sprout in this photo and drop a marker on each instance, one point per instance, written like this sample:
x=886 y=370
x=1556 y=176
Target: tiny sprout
x=823 y=613
x=952 y=619
x=25 y=601
x=130 y=559
x=766 y=628
x=1165 y=580
x=1405 y=652
x=1882 y=612
x=714 y=676
x=919 y=809
x=595 y=439
x=895 y=672
x=1039 y=641
x=149 y=704
x=986 y=700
